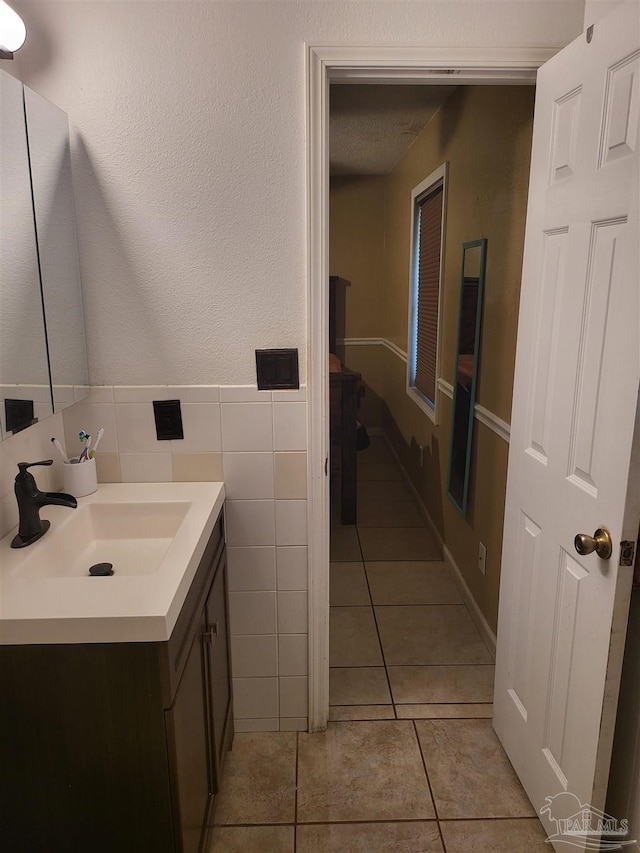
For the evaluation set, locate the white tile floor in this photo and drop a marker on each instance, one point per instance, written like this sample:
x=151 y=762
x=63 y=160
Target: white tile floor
x=409 y=762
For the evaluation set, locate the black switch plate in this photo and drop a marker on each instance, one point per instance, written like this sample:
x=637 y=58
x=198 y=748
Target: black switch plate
x=277 y=369
x=18 y=414
x=168 y=417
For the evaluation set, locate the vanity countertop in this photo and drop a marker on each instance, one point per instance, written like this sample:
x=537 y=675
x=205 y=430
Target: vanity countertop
x=45 y=599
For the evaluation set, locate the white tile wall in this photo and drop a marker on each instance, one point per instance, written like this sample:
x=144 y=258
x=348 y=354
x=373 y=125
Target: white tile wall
x=298 y=396
x=252 y=613
x=291 y=566
x=255 y=698
x=193 y=393
x=90 y=416
x=250 y=522
x=139 y=393
x=261 y=437
x=293 y=724
x=272 y=725
x=247 y=426
x=291 y=522
x=136 y=428
x=145 y=467
x=248 y=475
x=292 y=613
x=294 y=694
x=251 y=569
x=244 y=394
x=289 y=426
x=254 y=657
x=293 y=654
x=201 y=428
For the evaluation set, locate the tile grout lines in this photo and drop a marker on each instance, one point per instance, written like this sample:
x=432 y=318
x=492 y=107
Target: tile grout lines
x=295 y=807
x=375 y=620
x=426 y=773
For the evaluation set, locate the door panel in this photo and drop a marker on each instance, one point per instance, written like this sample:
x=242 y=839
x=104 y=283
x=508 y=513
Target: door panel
x=218 y=661
x=188 y=731
x=562 y=615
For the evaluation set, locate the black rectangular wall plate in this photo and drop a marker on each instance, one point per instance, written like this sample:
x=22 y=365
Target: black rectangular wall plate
x=18 y=414
x=168 y=415
x=277 y=369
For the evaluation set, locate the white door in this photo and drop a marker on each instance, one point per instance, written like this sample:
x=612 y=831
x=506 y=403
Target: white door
x=562 y=615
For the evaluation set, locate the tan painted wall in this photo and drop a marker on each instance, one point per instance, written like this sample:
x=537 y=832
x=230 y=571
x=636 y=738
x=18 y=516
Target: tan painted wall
x=356 y=240
x=485 y=135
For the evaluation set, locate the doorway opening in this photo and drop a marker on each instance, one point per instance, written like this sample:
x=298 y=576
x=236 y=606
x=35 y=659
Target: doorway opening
x=365 y=65
x=405 y=584
x=371 y=64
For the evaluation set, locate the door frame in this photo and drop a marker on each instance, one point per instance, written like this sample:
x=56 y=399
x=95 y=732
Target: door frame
x=388 y=65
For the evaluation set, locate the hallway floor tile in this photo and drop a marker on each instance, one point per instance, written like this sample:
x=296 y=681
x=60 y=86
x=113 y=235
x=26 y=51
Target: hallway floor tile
x=348 y=585
x=429 y=634
x=366 y=685
x=412 y=582
x=389 y=514
x=494 y=836
x=470 y=774
x=353 y=637
x=362 y=772
x=259 y=780
x=411 y=837
x=398 y=543
x=443 y=683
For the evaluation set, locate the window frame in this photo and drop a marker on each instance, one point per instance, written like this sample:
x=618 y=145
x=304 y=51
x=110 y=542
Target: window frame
x=439 y=177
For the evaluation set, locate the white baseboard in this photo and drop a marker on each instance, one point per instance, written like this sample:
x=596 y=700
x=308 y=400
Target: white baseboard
x=474 y=609
x=472 y=605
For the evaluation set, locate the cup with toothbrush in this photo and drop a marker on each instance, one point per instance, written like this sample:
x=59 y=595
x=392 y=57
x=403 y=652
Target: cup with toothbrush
x=80 y=475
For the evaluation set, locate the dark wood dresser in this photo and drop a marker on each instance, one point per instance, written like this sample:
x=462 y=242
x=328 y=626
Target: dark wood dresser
x=343 y=407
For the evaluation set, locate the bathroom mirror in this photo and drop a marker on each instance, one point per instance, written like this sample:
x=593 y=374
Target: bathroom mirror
x=43 y=362
x=55 y=218
x=25 y=391
x=466 y=371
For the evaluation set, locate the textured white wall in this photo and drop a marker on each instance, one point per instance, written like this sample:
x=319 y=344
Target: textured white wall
x=188 y=123
x=596 y=9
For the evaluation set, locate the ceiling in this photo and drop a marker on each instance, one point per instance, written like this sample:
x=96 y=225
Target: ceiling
x=372 y=127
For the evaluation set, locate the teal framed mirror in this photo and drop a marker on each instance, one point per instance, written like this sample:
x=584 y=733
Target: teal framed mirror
x=472 y=274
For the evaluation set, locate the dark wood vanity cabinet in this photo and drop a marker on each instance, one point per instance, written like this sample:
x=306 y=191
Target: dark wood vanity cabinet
x=119 y=747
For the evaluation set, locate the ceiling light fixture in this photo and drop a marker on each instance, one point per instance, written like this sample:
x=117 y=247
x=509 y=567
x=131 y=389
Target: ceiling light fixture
x=12 y=31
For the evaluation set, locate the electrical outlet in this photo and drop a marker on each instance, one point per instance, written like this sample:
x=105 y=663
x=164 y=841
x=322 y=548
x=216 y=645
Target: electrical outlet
x=482 y=558
x=168 y=416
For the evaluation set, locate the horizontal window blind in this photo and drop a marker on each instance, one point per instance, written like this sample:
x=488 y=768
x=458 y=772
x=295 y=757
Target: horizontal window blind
x=428 y=275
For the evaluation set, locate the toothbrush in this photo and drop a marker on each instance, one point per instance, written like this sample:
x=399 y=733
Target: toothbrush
x=98 y=440
x=60 y=450
x=84 y=456
x=85 y=439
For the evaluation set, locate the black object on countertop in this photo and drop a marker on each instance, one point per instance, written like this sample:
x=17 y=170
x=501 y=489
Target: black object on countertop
x=101 y=570
x=30 y=501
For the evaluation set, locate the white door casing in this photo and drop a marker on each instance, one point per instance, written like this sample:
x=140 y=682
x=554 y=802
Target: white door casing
x=379 y=64
x=562 y=618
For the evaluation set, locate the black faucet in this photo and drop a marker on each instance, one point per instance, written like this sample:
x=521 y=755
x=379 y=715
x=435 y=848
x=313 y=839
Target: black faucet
x=30 y=500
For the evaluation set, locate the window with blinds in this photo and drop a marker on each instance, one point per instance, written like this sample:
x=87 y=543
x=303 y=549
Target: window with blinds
x=426 y=267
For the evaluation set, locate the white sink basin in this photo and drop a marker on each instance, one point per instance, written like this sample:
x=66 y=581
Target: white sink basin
x=153 y=534
x=133 y=537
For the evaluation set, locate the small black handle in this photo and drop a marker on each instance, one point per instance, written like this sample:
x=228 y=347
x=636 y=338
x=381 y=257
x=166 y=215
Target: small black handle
x=24 y=465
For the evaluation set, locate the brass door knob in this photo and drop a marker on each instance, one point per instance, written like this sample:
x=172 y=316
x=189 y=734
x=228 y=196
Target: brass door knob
x=600 y=542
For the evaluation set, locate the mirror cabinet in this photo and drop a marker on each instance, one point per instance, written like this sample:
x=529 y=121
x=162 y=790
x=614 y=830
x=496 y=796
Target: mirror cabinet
x=43 y=362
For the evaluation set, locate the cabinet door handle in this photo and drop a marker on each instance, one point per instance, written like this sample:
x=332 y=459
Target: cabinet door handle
x=211 y=633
